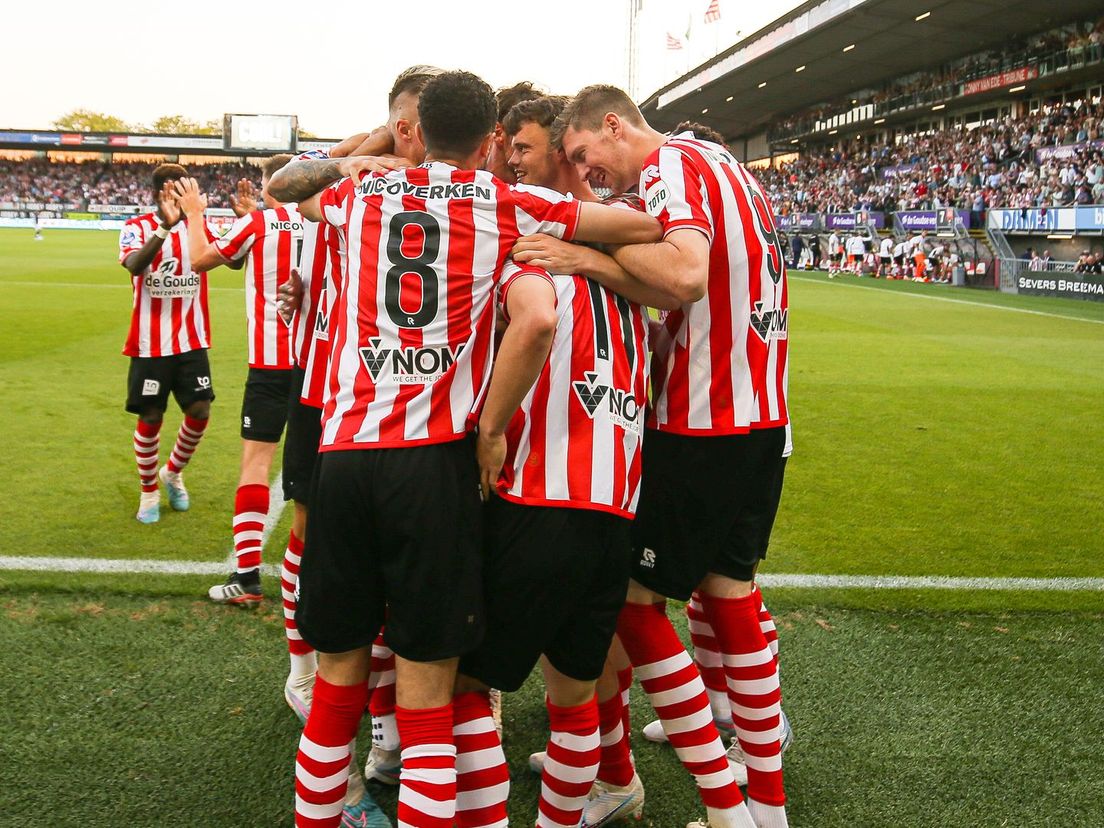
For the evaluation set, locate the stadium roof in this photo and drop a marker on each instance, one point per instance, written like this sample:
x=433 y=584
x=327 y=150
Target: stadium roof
x=888 y=42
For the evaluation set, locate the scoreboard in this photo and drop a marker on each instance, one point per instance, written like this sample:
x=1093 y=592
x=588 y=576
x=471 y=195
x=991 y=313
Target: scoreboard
x=253 y=133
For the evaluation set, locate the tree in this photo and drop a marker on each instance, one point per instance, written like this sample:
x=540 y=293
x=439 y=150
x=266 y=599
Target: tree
x=180 y=125
x=85 y=120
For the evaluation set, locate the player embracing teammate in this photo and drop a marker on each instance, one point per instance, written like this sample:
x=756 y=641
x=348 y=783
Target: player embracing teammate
x=716 y=441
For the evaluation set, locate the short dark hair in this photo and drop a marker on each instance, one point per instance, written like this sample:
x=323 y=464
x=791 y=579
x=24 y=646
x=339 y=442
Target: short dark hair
x=587 y=109
x=270 y=166
x=411 y=80
x=541 y=111
x=167 y=172
x=508 y=97
x=700 y=131
x=457 y=111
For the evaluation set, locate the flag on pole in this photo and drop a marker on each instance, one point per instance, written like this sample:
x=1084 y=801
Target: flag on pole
x=673 y=42
x=713 y=13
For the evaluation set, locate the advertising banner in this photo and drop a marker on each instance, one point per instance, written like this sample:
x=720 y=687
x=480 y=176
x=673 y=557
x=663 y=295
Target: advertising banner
x=1000 y=80
x=1040 y=219
x=1066 y=150
x=847 y=221
x=913 y=220
x=1064 y=285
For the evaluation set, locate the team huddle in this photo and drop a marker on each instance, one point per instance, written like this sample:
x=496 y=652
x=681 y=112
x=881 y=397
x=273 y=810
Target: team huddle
x=498 y=457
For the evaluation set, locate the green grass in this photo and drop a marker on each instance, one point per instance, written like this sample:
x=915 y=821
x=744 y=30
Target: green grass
x=954 y=438
x=171 y=708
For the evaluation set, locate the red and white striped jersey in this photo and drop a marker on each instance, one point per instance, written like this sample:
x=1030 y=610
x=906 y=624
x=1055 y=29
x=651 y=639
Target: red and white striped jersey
x=169 y=314
x=720 y=365
x=575 y=441
x=319 y=264
x=272 y=238
x=412 y=327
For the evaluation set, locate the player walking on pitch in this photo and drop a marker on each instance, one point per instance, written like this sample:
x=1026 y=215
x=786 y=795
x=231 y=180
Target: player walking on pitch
x=167 y=341
x=270 y=237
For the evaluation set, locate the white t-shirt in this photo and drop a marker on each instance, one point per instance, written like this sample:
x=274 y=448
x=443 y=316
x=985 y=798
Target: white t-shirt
x=886 y=249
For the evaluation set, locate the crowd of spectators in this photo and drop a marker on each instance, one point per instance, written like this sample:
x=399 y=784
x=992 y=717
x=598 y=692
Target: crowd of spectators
x=1077 y=43
x=40 y=180
x=990 y=166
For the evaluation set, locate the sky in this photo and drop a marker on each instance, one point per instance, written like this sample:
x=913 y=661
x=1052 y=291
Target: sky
x=333 y=67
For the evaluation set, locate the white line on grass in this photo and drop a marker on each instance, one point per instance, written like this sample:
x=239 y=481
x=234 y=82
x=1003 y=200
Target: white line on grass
x=28 y=563
x=948 y=299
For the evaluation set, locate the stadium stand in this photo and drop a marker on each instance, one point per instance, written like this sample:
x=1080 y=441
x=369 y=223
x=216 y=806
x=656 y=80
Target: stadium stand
x=44 y=181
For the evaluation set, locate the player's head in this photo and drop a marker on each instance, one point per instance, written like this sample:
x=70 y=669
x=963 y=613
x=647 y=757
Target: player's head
x=167 y=172
x=533 y=157
x=506 y=99
x=457 y=116
x=402 y=104
x=600 y=131
x=269 y=167
x=700 y=131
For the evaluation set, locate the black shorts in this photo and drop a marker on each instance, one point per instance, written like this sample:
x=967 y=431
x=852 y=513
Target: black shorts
x=304 y=432
x=707 y=505
x=401 y=529
x=899 y=260
x=265 y=404
x=554 y=582
x=150 y=379
x=835 y=257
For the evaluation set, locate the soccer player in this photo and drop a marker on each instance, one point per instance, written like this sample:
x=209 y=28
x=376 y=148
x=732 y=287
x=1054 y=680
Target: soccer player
x=558 y=542
x=885 y=257
x=270 y=237
x=505 y=100
x=396 y=517
x=167 y=341
x=718 y=434
x=835 y=254
x=856 y=247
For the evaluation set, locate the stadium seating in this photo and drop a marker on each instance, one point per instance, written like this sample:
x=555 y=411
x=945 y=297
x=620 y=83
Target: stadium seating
x=40 y=180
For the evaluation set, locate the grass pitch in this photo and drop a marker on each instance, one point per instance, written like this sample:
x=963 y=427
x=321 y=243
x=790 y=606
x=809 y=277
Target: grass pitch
x=932 y=437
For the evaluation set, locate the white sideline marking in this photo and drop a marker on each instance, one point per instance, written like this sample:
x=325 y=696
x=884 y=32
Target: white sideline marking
x=276 y=504
x=931 y=582
x=121 y=566
x=948 y=299
x=30 y=563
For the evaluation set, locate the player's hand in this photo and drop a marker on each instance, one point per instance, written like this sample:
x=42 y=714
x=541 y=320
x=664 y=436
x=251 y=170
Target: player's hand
x=191 y=200
x=490 y=452
x=289 y=296
x=355 y=166
x=167 y=205
x=554 y=255
x=246 y=200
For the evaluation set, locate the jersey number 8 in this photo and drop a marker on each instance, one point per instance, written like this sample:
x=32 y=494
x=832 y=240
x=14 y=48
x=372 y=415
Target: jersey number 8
x=420 y=266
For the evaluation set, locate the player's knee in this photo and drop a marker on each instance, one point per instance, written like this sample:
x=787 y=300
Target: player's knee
x=151 y=416
x=199 y=410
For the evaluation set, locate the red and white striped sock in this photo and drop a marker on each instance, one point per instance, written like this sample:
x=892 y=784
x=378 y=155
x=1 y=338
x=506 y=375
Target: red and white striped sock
x=707 y=656
x=147 y=444
x=191 y=432
x=754 y=692
x=482 y=776
x=571 y=765
x=624 y=682
x=302 y=654
x=616 y=766
x=322 y=765
x=385 y=733
x=250 y=511
x=427 y=784
x=766 y=624
x=675 y=689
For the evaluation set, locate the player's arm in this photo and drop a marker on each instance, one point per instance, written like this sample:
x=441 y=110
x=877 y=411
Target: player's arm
x=602 y=223
x=531 y=307
x=379 y=141
x=171 y=214
x=678 y=265
x=299 y=180
x=202 y=252
x=557 y=256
